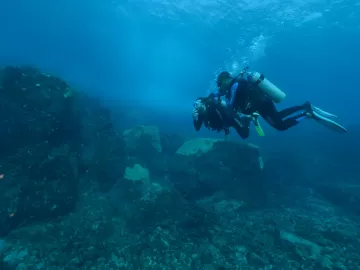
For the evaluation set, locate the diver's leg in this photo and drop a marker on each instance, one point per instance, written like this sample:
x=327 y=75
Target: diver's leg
x=288 y=111
x=274 y=118
x=242 y=126
x=305 y=108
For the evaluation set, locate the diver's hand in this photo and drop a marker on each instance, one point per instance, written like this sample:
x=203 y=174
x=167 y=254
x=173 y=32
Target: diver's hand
x=222 y=103
x=254 y=116
x=199 y=108
x=197 y=111
x=241 y=115
x=195 y=114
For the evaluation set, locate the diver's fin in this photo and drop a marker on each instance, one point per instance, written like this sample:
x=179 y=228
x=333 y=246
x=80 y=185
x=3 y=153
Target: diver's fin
x=322 y=112
x=328 y=122
x=258 y=129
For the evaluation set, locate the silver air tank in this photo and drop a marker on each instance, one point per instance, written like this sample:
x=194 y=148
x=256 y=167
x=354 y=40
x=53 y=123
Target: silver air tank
x=267 y=87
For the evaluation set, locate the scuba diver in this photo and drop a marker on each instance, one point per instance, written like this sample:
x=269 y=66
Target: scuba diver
x=251 y=92
x=215 y=115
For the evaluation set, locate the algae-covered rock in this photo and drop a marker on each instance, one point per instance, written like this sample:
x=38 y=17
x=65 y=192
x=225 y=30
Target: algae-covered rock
x=40 y=183
x=174 y=205
x=196 y=147
x=202 y=167
x=102 y=148
x=33 y=109
x=137 y=173
x=145 y=203
x=39 y=140
x=138 y=136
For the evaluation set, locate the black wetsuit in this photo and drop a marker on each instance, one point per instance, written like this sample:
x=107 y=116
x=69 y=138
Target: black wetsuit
x=245 y=98
x=220 y=118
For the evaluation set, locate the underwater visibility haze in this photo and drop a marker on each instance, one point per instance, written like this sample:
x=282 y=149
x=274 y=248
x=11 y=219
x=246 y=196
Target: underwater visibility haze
x=162 y=54
x=100 y=164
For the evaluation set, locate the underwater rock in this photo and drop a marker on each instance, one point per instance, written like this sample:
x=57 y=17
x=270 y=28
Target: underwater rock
x=343 y=195
x=135 y=182
x=145 y=203
x=40 y=140
x=196 y=147
x=139 y=136
x=137 y=173
x=79 y=240
x=149 y=224
x=171 y=143
x=51 y=140
x=178 y=235
x=101 y=149
x=41 y=183
x=102 y=159
x=91 y=198
x=142 y=145
x=202 y=167
x=34 y=107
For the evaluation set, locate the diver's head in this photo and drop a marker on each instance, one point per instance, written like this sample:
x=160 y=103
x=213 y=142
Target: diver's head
x=223 y=81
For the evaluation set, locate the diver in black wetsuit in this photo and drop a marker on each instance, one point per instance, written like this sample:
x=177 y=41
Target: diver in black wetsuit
x=216 y=116
x=243 y=97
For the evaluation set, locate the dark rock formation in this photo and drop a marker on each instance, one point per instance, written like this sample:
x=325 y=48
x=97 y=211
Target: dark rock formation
x=49 y=143
x=39 y=183
x=75 y=193
x=38 y=155
x=34 y=107
x=342 y=194
x=204 y=166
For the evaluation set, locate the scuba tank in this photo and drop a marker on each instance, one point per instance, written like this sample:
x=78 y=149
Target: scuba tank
x=263 y=84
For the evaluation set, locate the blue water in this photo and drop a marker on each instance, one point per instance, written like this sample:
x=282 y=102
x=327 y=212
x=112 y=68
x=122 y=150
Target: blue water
x=158 y=56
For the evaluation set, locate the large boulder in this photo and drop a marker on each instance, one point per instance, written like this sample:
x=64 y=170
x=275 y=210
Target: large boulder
x=143 y=145
x=34 y=107
x=38 y=183
x=40 y=139
x=202 y=167
x=317 y=156
x=344 y=195
x=171 y=143
x=142 y=200
x=146 y=203
x=101 y=148
x=142 y=136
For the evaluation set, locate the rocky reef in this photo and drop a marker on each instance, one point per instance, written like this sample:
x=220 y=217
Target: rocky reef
x=77 y=193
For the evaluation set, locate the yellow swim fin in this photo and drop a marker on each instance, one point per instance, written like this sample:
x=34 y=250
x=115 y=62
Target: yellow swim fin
x=258 y=128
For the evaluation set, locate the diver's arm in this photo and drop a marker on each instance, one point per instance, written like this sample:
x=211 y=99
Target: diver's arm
x=233 y=90
x=241 y=123
x=215 y=95
x=238 y=86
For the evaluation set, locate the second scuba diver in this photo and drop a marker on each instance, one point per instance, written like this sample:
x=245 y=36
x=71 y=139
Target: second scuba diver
x=215 y=115
x=251 y=92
